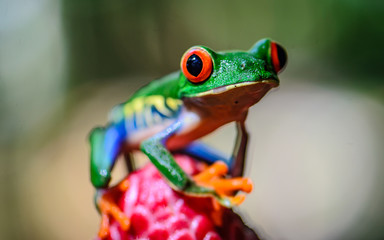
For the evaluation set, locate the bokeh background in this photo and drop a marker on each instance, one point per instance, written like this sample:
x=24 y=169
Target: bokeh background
x=316 y=150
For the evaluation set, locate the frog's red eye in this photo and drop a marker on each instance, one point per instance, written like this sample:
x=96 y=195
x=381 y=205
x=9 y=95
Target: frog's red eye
x=196 y=64
x=278 y=57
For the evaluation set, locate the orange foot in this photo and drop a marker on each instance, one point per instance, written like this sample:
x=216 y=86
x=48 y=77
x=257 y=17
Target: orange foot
x=226 y=188
x=108 y=208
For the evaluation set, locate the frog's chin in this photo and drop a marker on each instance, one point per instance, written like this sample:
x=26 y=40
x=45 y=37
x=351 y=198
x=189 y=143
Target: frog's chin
x=252 y=86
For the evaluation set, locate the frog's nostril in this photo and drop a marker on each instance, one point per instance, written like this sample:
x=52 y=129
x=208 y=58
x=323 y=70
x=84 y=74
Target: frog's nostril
x=242 y=66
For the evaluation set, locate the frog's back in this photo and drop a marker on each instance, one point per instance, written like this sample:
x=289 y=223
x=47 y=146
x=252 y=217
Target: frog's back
x=167 y=86
x=153 y=104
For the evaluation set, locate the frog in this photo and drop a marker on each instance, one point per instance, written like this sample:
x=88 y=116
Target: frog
x=173 y=113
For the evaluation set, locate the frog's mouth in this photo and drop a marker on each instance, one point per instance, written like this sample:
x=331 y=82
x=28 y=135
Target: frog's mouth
x=253 y=86
x=238 y=96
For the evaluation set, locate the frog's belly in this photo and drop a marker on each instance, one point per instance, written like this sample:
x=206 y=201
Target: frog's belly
x=135 y=137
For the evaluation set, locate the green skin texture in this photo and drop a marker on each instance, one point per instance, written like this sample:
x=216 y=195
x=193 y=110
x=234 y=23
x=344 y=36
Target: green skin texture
x=228 y=68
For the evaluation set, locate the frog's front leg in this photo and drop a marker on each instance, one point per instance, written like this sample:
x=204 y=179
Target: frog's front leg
x=237 y=160
x=210 y=182
x=239 y=152
x=156 y=151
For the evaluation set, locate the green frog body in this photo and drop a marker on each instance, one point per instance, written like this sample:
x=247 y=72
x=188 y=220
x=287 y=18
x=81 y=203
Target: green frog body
x=170 y=114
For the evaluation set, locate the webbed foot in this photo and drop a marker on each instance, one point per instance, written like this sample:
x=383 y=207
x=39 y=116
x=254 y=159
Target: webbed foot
x=106 y=203
x=225 y=188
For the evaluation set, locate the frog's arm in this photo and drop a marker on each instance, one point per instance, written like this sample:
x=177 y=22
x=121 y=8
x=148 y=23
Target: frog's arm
x=208 y=182
x=105 y=147
x=239 y=151
x=155 y=149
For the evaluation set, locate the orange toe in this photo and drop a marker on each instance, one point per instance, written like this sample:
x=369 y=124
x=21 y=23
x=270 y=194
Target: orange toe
x=232 y=184
x=109 y=208
x=226 y=188
x=104 y=226
x=123 y=185
x=217 y=169
x=237 y=200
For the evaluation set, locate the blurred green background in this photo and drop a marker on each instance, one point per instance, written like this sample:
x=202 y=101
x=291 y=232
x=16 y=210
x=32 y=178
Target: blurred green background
x=64 y=64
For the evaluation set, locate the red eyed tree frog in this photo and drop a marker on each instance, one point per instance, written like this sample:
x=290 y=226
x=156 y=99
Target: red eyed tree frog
x=171 y=113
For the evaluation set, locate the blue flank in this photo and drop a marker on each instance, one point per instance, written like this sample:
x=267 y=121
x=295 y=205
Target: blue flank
x=114 y=137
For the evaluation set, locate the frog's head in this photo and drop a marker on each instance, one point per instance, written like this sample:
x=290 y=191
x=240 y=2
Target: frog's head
x=233 y=77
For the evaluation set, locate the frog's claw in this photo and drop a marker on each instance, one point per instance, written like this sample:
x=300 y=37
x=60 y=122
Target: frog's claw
x=225 y=188
x=108 y=208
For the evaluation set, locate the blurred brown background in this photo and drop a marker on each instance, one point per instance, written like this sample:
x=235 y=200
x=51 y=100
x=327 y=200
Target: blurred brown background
x=316 y=150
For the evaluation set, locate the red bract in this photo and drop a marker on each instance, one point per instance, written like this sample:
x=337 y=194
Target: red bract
x=156 y=211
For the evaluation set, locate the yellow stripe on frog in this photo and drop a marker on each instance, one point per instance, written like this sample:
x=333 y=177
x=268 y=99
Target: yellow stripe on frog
x=159 y=102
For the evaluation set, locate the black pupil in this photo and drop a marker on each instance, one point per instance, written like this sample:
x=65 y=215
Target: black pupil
x=282 y=55
x=194 y=65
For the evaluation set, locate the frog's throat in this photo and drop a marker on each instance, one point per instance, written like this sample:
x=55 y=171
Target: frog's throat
x=216 y=91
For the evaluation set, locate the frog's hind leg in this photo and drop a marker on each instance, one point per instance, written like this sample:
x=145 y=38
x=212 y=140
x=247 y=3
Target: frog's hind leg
x=106 y=145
